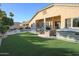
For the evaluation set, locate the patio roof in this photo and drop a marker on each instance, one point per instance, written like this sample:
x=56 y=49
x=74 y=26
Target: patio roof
x=56 y=4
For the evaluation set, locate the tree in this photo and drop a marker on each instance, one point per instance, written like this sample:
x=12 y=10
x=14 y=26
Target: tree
x=5 y=21
x=2 y=14
x=11 y=22
x=3 y=29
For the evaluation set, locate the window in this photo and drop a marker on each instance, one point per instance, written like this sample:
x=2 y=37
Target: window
x=68 y=23
x=48 y=24
x=76 y=22
x=57 y=24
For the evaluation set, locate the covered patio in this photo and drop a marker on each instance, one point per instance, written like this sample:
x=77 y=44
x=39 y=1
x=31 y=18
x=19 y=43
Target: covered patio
x=48 y=26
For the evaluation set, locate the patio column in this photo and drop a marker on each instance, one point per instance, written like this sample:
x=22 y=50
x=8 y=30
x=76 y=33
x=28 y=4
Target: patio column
x=44 y=24
x=71 y=22
x=35 y=25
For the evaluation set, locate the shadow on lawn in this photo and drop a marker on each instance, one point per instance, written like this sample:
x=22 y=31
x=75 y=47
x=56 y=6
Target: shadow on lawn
x=23 y=46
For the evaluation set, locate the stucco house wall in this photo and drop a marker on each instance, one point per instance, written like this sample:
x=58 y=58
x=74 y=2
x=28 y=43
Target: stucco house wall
x=65 y=11
x=60 y=12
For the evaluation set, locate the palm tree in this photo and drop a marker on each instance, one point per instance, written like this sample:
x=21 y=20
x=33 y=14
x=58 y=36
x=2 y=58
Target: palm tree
x=11 y=19
x=11 y=14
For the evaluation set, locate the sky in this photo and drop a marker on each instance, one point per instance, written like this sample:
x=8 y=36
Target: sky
x=22 y=11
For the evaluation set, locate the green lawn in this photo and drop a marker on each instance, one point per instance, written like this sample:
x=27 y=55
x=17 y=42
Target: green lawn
x=27 y=45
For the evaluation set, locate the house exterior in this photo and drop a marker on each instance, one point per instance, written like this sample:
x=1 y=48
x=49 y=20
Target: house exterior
x=15 y=26
x=24 y=24
x=55 y=17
